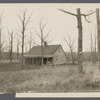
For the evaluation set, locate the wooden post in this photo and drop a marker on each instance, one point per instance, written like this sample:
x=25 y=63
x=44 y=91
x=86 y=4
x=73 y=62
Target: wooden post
x=80 y=66
x=98 y=34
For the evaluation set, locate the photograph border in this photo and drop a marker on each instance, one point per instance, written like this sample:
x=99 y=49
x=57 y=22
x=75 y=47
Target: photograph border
x=12 y=96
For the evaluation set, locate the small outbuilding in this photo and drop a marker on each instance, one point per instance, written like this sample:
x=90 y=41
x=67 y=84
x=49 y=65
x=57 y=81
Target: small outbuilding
x=53 y=54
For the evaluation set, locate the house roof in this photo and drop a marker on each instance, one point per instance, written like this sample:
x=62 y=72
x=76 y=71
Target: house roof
x=36 y=51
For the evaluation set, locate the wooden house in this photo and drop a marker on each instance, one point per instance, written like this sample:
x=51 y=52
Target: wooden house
x=53 y=54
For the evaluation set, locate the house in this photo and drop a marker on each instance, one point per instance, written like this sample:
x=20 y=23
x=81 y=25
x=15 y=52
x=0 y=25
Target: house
x=53 y=54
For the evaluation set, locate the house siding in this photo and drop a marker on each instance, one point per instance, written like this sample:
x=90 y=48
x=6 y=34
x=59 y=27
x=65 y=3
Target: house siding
x=59 y=56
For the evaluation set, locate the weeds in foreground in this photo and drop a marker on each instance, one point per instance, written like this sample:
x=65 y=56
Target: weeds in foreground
x=64 y=78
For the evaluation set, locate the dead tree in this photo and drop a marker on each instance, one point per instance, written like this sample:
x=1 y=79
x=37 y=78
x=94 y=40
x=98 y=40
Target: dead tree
x=2 y=48
x=11 y=45
x=80 y=36
x=26 y=49
x=93 y=47
x=1 y=44
x=30 y=40
x=25 y=20
x=18 y=44
x=41 y=34
x=70 y=44
x=98 y=34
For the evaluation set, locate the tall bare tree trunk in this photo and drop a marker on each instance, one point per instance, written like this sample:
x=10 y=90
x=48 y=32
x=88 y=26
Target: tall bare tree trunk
x=42 y=49
x=24 y=22
x=92 y=51
x=98 y=34
x=80 y=66
x=17 y=50
x=79 y=21
x=95 y=53
x=0 y=45
x=72 y=56
x=1 y=36
x=11 y=49
x=22 y=59
x=42 y=39
x=11 y=45
x=30 y=41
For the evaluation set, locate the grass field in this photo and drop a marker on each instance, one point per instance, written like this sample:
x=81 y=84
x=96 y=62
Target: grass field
x=59 y=78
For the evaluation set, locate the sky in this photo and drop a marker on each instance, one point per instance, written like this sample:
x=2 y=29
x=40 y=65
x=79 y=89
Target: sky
x=61 y=25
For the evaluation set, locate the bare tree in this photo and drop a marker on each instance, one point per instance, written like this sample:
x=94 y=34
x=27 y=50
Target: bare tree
x=98 y=34
x=26 y=49
x=2 y=49
x=70 y=44
x=24 y=23
x=93 y=39
x=91 y=47
x=1 y=44
x=11 y=45
x=42 y=37
x=80 y=36
x=18 y=44
x=95 y=48
x=30 y=40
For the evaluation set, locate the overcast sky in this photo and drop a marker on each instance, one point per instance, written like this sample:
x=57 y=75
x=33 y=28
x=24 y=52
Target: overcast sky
x=61 y=25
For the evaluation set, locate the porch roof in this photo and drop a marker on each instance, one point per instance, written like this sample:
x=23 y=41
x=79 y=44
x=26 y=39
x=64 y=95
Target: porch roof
x=37 y=56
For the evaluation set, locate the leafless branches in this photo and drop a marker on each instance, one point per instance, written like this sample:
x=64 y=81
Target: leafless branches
x=93 y=43
x=80 y=36
x=70 y=44
x=1 y=45
x=67 y=12
x=84 y=15
x=11 y=39
x=30 y=40
x=24 y=23
x=43 y=36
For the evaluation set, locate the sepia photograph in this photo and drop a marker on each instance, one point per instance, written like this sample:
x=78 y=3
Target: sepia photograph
x=49 y=48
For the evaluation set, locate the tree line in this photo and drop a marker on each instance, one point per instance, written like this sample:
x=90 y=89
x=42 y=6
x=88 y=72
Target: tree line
x=26 y=20
x=21 y=32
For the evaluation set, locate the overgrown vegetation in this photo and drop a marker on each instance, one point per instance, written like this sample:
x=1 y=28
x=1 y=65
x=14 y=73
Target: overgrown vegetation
x=59 y=78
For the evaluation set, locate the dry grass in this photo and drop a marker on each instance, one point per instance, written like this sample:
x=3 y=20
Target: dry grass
x=63 y=78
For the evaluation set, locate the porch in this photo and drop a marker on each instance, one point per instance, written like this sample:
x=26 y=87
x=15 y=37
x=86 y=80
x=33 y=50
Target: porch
x=38 y=60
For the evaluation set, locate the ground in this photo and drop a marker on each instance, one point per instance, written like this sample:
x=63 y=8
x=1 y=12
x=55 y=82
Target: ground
x=59 y=78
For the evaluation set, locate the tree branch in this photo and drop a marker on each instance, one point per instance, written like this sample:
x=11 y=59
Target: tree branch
x=92 y=12
x=67 y=12
x=85 y=16
x=28 y=20
x=47 y=35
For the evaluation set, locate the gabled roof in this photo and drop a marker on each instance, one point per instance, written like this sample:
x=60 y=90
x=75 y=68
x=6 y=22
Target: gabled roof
x=36 y=51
